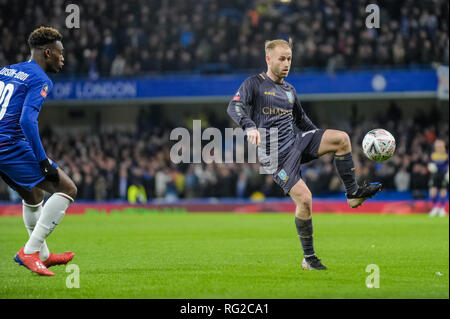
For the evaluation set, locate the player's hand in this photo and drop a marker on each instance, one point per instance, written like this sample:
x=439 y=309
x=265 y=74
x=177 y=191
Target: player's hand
x=254 y=137
x=50 y=172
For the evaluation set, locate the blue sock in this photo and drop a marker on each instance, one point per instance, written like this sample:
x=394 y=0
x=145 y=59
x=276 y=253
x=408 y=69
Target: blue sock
x=442 y=200
x=435 y=199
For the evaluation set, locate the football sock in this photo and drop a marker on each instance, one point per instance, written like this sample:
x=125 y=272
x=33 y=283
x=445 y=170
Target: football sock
x=52 y=214
x=305 y=232
x=436 y=199
x=346 y=169
x=31 y=214
x=442 y=200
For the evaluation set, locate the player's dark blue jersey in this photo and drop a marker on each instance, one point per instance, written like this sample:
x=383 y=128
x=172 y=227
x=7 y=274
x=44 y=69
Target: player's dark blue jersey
x=262 y=103
x=23 y=89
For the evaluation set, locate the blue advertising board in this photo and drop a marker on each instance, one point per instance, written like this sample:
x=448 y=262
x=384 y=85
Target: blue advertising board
x=225 y=86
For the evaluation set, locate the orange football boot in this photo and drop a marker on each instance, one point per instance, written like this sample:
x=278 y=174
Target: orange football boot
x=58 y=259
x=32 y=262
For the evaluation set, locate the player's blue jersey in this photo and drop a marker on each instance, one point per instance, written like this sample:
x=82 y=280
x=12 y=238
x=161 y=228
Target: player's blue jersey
x=441 y=161
x=23 y=89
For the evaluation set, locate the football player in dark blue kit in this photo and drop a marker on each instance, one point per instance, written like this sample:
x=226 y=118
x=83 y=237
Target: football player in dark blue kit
x=24 y=164
x=438 y=183
x=267 y=101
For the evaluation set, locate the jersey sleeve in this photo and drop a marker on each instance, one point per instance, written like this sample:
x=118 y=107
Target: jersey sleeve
x=37 y=93
x=301 y=120
x=239 y=106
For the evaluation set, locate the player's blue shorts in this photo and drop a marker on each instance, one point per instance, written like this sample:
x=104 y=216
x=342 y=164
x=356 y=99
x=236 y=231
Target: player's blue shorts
x=19 y=166
x=304 y=149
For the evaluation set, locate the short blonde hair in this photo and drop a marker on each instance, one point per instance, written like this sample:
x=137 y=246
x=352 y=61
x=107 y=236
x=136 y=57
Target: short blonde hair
x=272 y=44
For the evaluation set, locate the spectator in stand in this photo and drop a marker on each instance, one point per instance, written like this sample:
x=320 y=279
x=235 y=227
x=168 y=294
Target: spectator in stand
x=118 y=38
x=402 y=179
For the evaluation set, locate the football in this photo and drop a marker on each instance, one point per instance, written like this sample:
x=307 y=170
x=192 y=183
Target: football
x=378 y=145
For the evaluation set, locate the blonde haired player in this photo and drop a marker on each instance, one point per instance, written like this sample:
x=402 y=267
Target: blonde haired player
x=267 y=101
x=438 y=184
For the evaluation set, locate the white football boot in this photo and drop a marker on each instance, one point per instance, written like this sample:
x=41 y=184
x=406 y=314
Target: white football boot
x=434 y=211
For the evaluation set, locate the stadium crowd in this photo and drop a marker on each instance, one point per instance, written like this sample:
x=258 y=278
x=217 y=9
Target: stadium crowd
x=121 y=38
x=136 y=166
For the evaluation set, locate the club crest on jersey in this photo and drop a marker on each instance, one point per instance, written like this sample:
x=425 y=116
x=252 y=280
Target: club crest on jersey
x=283 y=175
x=44 y=91
x=290 y=97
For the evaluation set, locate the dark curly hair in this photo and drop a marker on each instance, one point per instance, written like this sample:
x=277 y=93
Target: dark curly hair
x=42 y=36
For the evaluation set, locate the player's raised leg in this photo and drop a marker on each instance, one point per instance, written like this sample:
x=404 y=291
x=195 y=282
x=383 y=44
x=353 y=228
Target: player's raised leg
x=338 y=142
x=302 y=197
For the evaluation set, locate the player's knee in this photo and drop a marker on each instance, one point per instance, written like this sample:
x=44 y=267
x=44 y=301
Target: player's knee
x=71 y=190
x=34 y=197
x=39 y=196
x=74 y=191
x=304 y=204
x=343 y=141
x=306 y=200
x=302 y=196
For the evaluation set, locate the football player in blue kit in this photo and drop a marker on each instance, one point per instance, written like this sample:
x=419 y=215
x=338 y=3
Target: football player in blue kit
x=267 y=101
x=438 y=183
x=24 y=164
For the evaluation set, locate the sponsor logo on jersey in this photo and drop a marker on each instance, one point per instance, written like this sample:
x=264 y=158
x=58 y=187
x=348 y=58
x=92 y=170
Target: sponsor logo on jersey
x=44 y=91
x=283 y=175
x=274 y=111
x=290 y=97
x=269 y=93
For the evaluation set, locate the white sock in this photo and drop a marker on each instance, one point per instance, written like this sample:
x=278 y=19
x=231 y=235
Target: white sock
x=31 y=214
x=52 y=214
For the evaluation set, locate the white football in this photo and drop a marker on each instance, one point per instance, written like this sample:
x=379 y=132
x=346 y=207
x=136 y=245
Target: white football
x=378 y=145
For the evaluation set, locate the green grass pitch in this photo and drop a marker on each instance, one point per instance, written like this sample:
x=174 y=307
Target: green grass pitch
x=183 y=255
